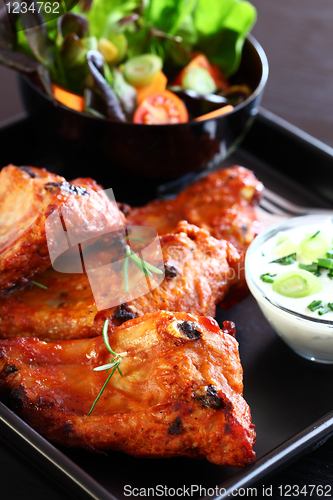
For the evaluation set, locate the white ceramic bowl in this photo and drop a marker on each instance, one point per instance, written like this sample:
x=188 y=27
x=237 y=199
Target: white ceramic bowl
x=310 y=337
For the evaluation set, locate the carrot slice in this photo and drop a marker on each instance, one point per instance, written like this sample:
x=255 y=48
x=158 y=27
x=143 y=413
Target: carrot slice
x=215 y=114
x=70 y=100
x=158 y=84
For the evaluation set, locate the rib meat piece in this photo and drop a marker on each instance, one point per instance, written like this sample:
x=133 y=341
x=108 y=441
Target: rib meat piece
x=180 y=394
x=28 y=196
x=224 y=203
x=198 y=273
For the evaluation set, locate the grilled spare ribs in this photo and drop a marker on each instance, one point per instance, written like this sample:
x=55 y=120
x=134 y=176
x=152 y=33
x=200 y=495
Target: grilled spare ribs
x=224 y=203
x=28 y=196
x=180 y=393
x=199 y=271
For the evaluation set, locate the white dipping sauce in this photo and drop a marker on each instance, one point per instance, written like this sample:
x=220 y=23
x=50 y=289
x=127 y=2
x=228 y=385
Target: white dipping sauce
x=305 y=331
x=262 y=264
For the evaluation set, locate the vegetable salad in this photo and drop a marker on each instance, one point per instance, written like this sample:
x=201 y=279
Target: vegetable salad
x=147 y=62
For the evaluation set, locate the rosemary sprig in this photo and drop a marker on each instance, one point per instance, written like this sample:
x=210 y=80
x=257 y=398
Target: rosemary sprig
x=125 y=270
x=132 y=238
x=114 y=364
x=39 y=284
x=141 y=264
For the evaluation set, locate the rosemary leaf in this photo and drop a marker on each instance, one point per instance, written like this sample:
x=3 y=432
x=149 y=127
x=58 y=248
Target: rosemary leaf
x=125 y=273
x=106 y=338
x=39 y=284
x=105 y=367
x=115 y=362
x=102 y=390
x=153 y=268
x=140 y=264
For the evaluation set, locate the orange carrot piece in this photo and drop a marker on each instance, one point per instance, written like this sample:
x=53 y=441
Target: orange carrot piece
x=158 y=84
x=215 y=114
x=70 y=100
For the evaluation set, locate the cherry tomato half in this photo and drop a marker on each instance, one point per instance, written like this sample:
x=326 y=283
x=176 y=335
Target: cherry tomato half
x=161 y=108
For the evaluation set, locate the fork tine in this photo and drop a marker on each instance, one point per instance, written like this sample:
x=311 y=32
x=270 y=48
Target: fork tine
x=284 y=206
x=272 y=208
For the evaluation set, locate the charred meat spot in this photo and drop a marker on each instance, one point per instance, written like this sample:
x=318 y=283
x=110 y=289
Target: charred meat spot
x=18 y=398
x=124 y=208
x=79 y=190
x=227 y=428
x=66 y=186
x=68 y=428
x=170 y=271
x=176 y=427
x=190 y=329
x=29 y=171
x=45 y=403
x=229 y=327
x=14 y=288
x=244 y=228
x=123 y=313
x=51 y=186
x=209 y=397
x=9 y=370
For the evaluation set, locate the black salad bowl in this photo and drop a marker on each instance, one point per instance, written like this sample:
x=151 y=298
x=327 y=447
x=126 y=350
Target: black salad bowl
x=128 y=156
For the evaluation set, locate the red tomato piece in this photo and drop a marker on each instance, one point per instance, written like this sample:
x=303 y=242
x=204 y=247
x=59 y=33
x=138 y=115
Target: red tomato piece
x=161 y=108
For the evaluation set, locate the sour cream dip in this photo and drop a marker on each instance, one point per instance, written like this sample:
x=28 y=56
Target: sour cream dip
x=289 y=271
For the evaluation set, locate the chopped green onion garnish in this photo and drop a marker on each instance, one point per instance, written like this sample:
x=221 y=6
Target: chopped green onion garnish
x=312 y=268
x=324 y=310
x=286 y=260
x=324 y=262
x=329 y=254
x=267 y=277
x=315 y=304
x=314 y=235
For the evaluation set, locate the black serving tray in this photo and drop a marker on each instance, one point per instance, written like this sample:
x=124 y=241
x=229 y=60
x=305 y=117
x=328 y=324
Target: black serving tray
x=290 y=397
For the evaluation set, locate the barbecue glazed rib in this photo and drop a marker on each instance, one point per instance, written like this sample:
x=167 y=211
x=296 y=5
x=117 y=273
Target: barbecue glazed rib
x=224 y=203
x=28 y=196
x=180 y=394
x=199 y=271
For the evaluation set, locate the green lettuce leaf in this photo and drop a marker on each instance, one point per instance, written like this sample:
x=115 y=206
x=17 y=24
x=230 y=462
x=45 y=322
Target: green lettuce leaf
x=222 y=27
x=104 y=15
